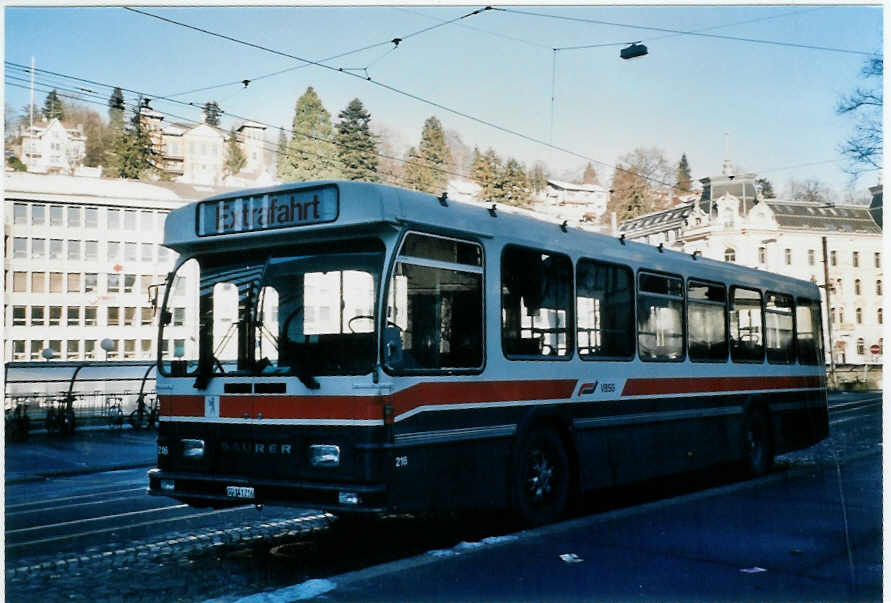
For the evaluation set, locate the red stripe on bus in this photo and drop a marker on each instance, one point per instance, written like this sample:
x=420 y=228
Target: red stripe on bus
x=371 y=407
x=181 y=406
x=691 y=385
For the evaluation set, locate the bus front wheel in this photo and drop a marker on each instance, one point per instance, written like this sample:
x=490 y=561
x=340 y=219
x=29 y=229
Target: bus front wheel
x=540 y=484
x=757 y=443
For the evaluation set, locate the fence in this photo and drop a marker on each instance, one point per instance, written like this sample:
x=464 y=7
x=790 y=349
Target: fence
x=103 y=394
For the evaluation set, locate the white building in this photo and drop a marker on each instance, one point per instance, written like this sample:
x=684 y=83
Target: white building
x=52 y=147
x=731 y=222
x=573 y=202
x=80 y=256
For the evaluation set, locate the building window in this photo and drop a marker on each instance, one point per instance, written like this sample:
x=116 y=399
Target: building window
x=57 y=215
x=55 y=249
x=129 y=283
x=38 y=214
x=811 y=257
x=146 y=347
x=115 y=351
x=36 y=346
x=18 y=349
x=114 y=283
x=19 y=282
x=57 y=280
x=55 y=316
x=55 y=346
x=91 y=217
x=130 y=219
x=130 y=252
x=91 y=250
x=73 y=316
x=146 y=318
x=19 y=316
x=114 y=251
x=878 y=287
x=73 y=349
x=20 y=213
x=838 y=287
x=861 y=346
x=878 y=259
x=762 y=255
x=841 y=315
x=857 y=286
x=114 y=219
x=130 y=317
x=147 y=255
x=129 y=349
x=74 y=217
x=833 y=258
x=729 y=255
x=73 y=282
x=858 y=315
x=145 y=281
x=20 y=247
x=179 y=317
x=879 y=316
x=38 y=249
x=91 y=282
x=90 y=314
x=855 y=259
x=74 y=250
x=788 y=257
x=38 y=316
x=114 y=316
x=89 y=349
x=38 y=282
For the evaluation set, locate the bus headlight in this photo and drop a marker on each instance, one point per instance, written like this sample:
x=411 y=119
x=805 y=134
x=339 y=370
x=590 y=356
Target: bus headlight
x=193 y=449
x=324 y=455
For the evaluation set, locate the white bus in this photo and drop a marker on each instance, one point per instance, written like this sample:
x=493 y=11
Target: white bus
x=357 y=347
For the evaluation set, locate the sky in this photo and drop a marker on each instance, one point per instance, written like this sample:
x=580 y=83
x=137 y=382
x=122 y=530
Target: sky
x=776 y=103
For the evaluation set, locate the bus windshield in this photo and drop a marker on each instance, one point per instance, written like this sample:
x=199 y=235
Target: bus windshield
x=302 y=310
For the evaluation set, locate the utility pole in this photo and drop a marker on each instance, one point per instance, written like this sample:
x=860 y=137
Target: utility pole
x=31 y=105
x=826 y=286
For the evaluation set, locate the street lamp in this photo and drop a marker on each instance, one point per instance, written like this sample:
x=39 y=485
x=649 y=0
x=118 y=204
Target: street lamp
x=107 y=345
x=633 y=50
x=47 y=354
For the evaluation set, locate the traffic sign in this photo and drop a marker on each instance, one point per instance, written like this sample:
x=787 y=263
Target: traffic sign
x=875 y=348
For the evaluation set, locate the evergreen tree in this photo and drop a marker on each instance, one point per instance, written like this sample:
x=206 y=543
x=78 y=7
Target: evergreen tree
x=435 y=156
x=311 y=152
x=415 y=174
x=136 y=151
x=590 y=175
x=766 y=188
x=52 y=107
x=116 y=110
x=281 y=153
x=356 y=145
x=113 y=140
x=515 y=185
x=684 y=180
x=235 y=159
x=485 y=173
x=212 y=113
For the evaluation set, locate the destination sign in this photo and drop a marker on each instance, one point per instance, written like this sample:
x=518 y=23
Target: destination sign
x=268 y=211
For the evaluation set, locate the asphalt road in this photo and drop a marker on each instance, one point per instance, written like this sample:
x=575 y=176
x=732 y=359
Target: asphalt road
x=108 y=516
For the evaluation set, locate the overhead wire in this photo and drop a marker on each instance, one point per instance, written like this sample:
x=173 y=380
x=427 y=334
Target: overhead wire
x=683 y=32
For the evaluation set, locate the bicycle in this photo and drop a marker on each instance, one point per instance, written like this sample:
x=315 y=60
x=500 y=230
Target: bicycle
x=61 y=420
x=115 y=413
x=145 y=416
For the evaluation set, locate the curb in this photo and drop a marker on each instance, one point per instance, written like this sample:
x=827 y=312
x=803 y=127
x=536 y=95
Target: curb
x=71 y=472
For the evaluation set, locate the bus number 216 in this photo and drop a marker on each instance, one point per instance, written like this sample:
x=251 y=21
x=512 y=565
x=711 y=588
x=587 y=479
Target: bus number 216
x=401 y=461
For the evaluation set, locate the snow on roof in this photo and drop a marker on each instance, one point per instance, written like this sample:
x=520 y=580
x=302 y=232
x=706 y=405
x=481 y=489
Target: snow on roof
x=58 y=184
x=590 y=188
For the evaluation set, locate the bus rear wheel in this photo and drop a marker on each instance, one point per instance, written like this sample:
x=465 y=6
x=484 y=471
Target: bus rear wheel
x=757 y=443
x=541 y=480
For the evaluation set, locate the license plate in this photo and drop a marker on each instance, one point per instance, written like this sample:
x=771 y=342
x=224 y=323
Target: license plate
x=239 y=491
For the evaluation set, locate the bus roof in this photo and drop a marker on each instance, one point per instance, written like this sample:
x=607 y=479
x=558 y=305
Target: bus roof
x=273 y=215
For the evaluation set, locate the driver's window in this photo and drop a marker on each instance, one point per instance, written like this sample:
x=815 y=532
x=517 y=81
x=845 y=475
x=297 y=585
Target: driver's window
x=225 y=322
x=435 y=305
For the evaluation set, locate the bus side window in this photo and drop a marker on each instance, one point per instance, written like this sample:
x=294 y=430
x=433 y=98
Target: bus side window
x=536 y=302
x=435 y=305
x=746 y=342
x=660 y=317
x=605 y=310
x=707 y=322
x=808 y=331
x=778 y=333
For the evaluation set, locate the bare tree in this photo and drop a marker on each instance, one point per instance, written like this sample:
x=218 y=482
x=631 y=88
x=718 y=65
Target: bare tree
x=864 y=147
x=641 y=184
x=808 y=190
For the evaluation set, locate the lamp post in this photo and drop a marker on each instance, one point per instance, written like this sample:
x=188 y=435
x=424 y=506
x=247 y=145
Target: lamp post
x=107 y=345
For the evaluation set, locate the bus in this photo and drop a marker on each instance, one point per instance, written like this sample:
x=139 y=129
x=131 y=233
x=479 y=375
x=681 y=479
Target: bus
x=360 y=348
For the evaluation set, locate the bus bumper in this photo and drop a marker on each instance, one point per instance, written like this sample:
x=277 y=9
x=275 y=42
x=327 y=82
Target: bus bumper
x=199 y=489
